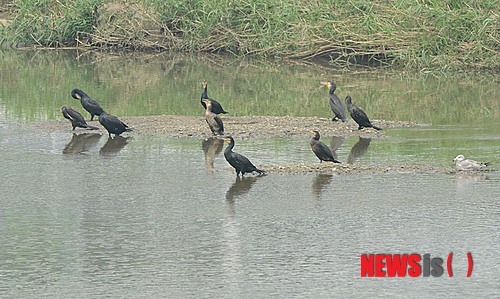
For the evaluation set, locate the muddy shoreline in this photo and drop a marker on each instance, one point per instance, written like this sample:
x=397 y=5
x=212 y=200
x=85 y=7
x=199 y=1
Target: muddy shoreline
x=242 y=127
x=237 y=126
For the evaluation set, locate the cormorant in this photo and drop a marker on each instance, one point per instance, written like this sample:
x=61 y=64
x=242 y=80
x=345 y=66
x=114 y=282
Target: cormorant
x=321 y=150
x=463 y=165
x=216 y=106
x=75 y=118
x=113 y=124
x=213 y=120
x=87 y=102
x=239 y=162
x=336 y=105
x=359 y=115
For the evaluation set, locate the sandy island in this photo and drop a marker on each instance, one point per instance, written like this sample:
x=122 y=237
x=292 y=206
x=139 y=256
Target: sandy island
x=265 y=127
x=238 y=126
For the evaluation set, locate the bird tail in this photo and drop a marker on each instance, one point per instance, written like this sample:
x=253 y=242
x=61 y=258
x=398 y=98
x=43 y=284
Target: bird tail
x=91 y=128
x=336 y=161
x=128 y=129
x=224 y=112
x=377 y=128
x=260 y=172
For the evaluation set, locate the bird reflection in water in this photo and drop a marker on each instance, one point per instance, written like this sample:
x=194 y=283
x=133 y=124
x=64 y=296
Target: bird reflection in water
x=335 y=144
x=321 y=182
x=114 y=145
x=212 y=147
x=240 y=187
x=464 y=179
x=81 y=143
x=358 y=150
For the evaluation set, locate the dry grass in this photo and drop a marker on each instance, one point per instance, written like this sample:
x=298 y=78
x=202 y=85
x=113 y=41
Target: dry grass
x=423 y=34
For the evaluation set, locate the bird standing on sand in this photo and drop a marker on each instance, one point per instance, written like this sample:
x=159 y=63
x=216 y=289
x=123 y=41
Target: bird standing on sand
x=321 y=150
x=359 y=115
x=112 y=124
x=336 y=105
x=87 y=102
x=239 y=162
x=216 y=106
x=213 y=120
x=463 y=165
x=75 y=118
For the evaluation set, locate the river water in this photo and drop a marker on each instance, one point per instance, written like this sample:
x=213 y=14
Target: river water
x=147 y=216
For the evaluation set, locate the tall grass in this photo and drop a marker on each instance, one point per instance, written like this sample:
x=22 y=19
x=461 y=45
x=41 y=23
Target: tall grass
x=425 y=34
x=51 y=23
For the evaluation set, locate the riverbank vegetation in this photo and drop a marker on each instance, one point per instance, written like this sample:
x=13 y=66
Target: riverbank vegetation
x=421 y=34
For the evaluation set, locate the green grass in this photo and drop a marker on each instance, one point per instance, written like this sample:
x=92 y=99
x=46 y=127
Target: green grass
x=51 y=23
x=427 y=34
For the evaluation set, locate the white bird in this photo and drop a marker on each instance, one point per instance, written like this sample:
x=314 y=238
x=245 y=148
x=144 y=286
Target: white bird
x=463 y=165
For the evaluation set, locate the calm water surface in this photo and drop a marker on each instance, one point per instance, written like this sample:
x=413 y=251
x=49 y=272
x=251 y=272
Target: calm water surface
x=146 y=216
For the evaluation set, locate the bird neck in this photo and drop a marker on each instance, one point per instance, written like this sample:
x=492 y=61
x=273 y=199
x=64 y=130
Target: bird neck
x=79 y=92
x=230 y=146
x=204 y=95
x=332 y=89
x=348 y=103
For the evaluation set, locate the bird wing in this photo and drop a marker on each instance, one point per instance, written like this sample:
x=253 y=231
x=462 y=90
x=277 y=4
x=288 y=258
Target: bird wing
x=109 y=121
x=337 y=106
x=218 y=120
x=471 y=165
x=124 y=124
x=91 y=104
x=359 y=115
x=323 y=151
x=75 y=115
x=242 y=160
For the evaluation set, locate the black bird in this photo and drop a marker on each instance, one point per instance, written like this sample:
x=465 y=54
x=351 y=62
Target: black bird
x=359 y=115
x=113 y=124
x=336 y=105
x=321 y=150
x=75 y=118
x=87 y=102
x=239 y=162
x=213 y=120
x=216 y=106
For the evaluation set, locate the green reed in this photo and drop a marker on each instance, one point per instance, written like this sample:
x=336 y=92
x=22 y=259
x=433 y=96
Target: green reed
x=429 y=35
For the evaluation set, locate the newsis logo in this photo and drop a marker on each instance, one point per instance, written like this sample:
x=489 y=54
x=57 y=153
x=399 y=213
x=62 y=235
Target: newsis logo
x=412 y=265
